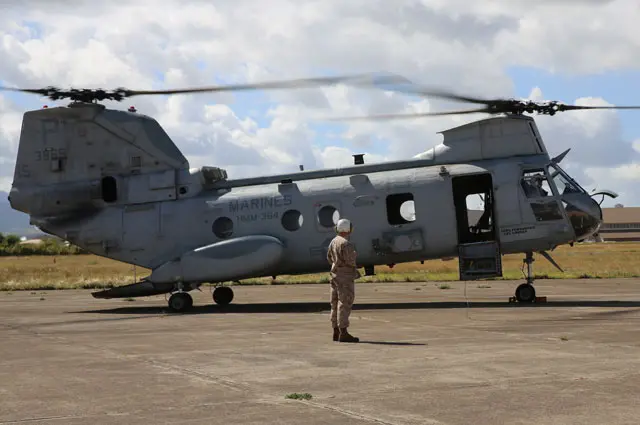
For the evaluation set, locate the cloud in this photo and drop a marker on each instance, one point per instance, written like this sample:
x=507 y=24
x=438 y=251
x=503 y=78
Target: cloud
x=455 y=44
x=595 y=137
x=10 y=120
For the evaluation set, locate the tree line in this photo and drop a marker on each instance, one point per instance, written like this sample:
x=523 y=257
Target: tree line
x=10 y=246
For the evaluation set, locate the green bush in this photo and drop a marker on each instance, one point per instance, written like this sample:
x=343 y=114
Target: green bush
x=10 y=246
x=11 y=240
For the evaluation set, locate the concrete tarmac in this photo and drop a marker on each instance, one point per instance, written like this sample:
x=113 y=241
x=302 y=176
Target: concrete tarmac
x=428 y=355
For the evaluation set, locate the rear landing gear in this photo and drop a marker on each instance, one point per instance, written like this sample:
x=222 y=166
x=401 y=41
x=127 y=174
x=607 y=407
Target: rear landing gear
x=526 y=293
x=180 y=301
x=222 y=295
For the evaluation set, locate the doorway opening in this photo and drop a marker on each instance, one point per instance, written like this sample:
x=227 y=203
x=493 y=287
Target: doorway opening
x=473 y=200
x=109 y=188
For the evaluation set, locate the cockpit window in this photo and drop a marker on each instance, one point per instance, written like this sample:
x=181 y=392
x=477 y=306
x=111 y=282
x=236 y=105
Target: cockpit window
x=563 y=182
x=535 y=184
x=541 y=199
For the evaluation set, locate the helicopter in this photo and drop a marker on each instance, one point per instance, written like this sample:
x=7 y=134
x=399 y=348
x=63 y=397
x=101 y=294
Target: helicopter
x=113 y=183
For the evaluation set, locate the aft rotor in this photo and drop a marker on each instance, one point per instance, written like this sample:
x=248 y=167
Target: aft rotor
x=119 y=94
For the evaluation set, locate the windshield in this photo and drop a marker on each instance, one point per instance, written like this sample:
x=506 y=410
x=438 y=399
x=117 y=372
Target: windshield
x=563 y=182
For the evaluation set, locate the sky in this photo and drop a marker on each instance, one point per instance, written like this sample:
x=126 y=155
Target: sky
x=577 y=52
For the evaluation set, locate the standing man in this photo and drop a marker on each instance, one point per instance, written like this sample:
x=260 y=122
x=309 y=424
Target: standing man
x=342 y=257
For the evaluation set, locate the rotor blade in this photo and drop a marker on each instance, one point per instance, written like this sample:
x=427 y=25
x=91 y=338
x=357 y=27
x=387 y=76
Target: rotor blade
x=43 y=92
x=578 y=107
x=405 y=116
x=363 y=79
x=423 y=91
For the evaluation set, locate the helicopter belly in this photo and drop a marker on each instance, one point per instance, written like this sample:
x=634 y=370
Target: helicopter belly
x=227 y=260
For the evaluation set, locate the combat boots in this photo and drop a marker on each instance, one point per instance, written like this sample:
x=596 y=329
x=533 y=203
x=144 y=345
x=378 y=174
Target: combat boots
x=346 y=337
x=336 y=334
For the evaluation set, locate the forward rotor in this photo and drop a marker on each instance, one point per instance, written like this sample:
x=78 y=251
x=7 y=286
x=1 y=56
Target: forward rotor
x=490 y=106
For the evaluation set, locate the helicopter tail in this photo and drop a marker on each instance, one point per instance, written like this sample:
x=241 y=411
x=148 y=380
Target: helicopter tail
x=84 y=157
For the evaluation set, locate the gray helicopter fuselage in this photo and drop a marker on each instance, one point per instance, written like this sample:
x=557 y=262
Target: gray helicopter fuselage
x=302 y=215
x=121 y=189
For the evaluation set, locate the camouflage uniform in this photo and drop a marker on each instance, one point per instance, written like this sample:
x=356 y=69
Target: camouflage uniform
x=342 y=257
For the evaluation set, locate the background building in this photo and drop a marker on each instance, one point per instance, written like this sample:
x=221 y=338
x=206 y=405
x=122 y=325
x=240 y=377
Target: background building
x=621 y=224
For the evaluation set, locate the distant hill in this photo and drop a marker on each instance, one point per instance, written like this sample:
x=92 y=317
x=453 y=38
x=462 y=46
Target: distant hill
x=12 y=221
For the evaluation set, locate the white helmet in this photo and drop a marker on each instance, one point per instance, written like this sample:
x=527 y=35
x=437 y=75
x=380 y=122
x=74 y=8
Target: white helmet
x=344 y=226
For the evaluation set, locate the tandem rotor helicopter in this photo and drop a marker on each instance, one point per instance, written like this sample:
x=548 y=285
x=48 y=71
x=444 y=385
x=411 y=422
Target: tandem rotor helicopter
x=114 y=183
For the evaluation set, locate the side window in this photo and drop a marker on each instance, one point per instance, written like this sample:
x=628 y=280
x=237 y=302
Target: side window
x=546 y=210
x=400 y=208
x=109 y=188
x=563 y=184
x=222 y=227
x=327 y=215
x=292 y=220
x=535 y=184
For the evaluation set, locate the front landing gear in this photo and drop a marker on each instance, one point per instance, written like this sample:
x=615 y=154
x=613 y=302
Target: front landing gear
x=526 y=293
x=222 y=295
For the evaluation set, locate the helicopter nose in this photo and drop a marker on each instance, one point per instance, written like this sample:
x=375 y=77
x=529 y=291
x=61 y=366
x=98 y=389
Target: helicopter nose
x=584 y=214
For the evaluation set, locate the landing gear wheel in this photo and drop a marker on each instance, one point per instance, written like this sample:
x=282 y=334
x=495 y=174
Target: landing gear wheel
x=180 y=301
x=222 y=295
x=526 y=293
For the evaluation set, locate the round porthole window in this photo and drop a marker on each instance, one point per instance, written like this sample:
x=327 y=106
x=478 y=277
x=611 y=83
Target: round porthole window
x=328 y=216
x=222 y=227
x=292 y=220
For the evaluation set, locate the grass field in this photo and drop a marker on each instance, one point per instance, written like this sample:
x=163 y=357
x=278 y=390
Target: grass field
x=603 y=260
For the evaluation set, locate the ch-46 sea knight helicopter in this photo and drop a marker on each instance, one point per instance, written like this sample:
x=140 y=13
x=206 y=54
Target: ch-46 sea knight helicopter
x=114 y=183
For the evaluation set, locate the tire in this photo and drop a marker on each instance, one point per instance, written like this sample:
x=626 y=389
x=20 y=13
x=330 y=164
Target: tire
x=526 y=293
x=223 y=295
x=180 y=302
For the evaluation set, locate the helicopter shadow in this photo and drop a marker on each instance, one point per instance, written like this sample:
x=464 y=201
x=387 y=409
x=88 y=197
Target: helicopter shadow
x=318 y=307
x=405 y=344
